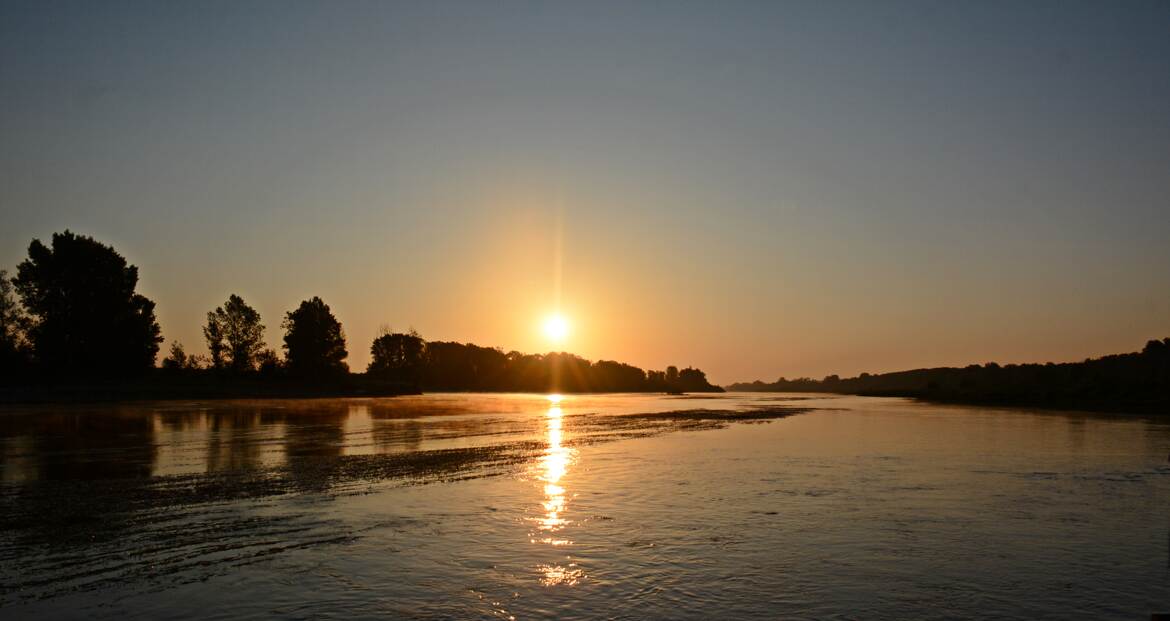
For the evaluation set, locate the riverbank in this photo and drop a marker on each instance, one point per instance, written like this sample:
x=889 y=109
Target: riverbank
x=1099 y=406
x=1157 y=408
x=1136 y=382
x=164 y=387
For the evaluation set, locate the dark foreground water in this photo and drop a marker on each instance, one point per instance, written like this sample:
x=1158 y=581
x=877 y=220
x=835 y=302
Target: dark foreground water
x=619 y=506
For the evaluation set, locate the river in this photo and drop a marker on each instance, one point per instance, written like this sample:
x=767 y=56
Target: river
x=458 y=506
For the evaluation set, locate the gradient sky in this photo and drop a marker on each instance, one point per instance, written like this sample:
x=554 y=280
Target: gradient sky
x=758 y=189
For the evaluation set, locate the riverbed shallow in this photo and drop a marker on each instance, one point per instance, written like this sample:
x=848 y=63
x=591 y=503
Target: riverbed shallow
x=584 y=506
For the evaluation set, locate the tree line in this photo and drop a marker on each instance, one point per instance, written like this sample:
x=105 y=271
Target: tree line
x=457 y=366
x=79 y=318
x=1137 y=380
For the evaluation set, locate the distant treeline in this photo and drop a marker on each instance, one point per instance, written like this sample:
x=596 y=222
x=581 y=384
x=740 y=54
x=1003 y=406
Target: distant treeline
x=1139 y=381
x=455 y=366
x=80 y=328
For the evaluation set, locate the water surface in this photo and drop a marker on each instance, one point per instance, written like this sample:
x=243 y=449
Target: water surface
x=613 y=506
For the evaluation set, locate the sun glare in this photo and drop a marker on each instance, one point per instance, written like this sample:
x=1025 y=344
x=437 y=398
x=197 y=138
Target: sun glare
x=556 y=328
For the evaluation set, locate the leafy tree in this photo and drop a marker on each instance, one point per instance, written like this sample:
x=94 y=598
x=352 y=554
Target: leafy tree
x=179 y=360
x=610 y=376
x=269 y=363
x=213 y=333
x=397 y=356
x=235 y=336
x=87 y=317
x=13 y=330
x=692 y=380
x=314 y=342
x=464 y=366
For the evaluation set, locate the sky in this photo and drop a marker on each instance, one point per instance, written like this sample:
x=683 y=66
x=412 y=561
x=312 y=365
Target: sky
x=757 y=189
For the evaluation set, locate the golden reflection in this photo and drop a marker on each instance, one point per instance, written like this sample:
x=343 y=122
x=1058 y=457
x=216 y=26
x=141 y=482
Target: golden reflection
x=557 y=574
x=553 y=466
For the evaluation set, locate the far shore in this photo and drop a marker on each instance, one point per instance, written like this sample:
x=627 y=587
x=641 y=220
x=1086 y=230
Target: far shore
x=1136 y=382
x=186 y=389
x=1096 y=407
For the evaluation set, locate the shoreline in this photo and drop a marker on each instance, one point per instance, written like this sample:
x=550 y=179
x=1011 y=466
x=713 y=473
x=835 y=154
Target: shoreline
x=179 y=390
x=253 y=388
x=228 y=390
x=1095 y=407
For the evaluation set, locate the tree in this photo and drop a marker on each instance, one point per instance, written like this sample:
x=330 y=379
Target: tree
x=268 y=362
x=179 y=360
x=314 y=342
x=13 y=330
x=693 y=380
x=213 y=332
x=235 y=336
x=87 y=317
x=397 y=356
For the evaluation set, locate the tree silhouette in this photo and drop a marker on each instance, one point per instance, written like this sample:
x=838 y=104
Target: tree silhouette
x=235 y=336
x=88 y=319
x=268 y=362
x=13 y=330
x=314 y=342
x=179 y=360
x=1137 y=381
x=397 y=356
x=465 y=366
x=213 y=333
x=692 y=379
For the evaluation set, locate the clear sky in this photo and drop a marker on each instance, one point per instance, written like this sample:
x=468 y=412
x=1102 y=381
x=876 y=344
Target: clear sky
x=757 y=189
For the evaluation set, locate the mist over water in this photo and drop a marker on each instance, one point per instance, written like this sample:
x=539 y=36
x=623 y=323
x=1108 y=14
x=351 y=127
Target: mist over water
x=608 y=506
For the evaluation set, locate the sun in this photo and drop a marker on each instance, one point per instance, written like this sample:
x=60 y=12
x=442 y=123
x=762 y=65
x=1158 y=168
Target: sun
x=556 y=328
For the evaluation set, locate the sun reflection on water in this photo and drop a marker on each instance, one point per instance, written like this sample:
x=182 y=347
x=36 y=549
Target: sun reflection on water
x=553 y=466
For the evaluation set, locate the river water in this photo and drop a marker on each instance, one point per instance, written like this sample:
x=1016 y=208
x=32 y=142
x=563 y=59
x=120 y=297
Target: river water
x=588 y=506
